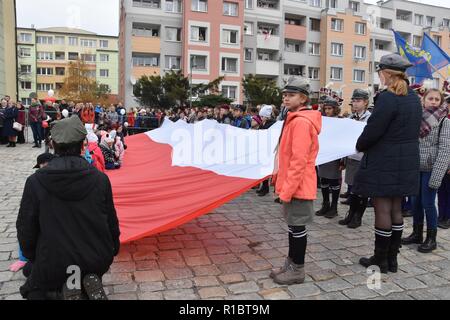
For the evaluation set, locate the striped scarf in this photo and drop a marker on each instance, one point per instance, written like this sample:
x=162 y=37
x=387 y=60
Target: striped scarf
x=431 y=118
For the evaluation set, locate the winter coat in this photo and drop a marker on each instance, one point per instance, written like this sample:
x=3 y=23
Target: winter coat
x=10 y=115
x=240 y=122
x=297 y=153
x=390 y=142
x=435 y=153
x=67 y=218
x=108 y=154
x=267 y=124
x=119 y=150
x=35 y=114
x=97 y=156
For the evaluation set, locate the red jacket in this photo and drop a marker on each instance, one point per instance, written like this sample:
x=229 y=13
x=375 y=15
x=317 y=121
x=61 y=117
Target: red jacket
x=97 y=156
x=297 y=154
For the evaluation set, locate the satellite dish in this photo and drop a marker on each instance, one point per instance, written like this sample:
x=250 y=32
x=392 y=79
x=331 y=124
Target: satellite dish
x=133 y=80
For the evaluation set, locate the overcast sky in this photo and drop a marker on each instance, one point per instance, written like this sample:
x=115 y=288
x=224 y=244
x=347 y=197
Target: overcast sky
x=99 y=16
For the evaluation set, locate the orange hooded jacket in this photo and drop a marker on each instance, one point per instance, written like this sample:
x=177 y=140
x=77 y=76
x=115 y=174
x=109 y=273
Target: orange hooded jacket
x=297 y=154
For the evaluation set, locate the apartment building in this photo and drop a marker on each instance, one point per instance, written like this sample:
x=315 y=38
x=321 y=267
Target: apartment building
x=44 y=57
x=8 y=62
x=329 y=41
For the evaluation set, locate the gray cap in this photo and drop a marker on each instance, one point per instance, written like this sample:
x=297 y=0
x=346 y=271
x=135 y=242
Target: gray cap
x=69 y=130
x=329 y=101
x=395 y=62
x=360 y=94
x=298 y=85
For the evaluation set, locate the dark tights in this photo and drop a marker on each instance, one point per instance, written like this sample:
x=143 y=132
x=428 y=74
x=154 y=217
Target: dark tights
x=388 y=212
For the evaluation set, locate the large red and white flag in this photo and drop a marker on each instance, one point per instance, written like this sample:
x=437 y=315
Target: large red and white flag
x=181 y=171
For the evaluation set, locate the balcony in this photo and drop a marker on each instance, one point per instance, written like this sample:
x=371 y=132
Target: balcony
x=138 y=72
x=404 y=15
x=268 y=4
x=294 y=70
x=293 y=57
x=295 y=32
x=268 y=42
x=146 y=44
x=380 y=53
x=267 y=68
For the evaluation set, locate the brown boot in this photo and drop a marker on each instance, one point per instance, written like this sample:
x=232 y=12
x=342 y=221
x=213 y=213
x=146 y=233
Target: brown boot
x=282 y=269
x=294 y=274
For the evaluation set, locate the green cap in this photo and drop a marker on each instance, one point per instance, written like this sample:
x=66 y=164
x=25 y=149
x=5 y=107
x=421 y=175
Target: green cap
x=68 y=130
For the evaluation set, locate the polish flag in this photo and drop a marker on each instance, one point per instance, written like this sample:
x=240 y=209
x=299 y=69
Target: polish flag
x=181 y=171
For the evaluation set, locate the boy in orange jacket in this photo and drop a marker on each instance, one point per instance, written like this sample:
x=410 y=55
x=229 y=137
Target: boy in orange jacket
x=296 y=181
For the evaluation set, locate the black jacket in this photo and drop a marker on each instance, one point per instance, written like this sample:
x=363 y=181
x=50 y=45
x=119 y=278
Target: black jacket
x=268 y=124
x=390 y=142
x=67 y=217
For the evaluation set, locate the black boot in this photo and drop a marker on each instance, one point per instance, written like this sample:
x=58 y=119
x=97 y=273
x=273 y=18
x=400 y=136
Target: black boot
x=348 y=217
x=394 y=248
x=430 y=242
x=264 y=189
x=9 y=144
x=381 y=253
x=346 y=202
x=345 y=195
x=333 y=212
x=357 y=218
x=416 y=236
x=324 y=209
x=13 y=144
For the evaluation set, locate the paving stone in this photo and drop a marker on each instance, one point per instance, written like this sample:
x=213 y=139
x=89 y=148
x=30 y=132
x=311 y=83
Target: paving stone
x=150 y=296
x=180 y=294
x=175 y=274
x=334 y=285
x=410 y=284
x=206 y=281
x=212 y=292
x=179 y=284
x=123 y=296
x=360 y=293
x=275 y=294
x=151 y=286
x=149 y=276
x=125 y=288
x=211 y=270
x=244 y=287
x=388 y=288
x=432 y=280
x=304 y=290
x=231 y=278
x=441 y=293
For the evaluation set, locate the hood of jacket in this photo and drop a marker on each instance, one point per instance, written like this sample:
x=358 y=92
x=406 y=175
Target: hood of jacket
x=68 y=178
x=313 y=116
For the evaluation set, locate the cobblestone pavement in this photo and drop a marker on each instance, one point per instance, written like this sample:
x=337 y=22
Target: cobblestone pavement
x=228 y=254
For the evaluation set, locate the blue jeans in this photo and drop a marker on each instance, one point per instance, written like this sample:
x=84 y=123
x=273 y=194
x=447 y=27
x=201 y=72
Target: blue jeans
x=425 y=203
x=37 y=131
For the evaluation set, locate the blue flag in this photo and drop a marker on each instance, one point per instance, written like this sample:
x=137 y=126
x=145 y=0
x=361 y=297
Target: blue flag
x=437 y=57
x=421 y=69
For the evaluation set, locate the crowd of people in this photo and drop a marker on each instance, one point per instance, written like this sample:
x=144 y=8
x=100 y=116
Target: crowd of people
x=403 y=156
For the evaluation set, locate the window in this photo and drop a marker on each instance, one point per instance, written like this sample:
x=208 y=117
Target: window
x=73 y=41
x=199 y=5
x=44 y=40
x=173 y=62
x=315 y=3
x=105 y=88
x=354 y=6
x=25 y=52
x=360 y=52
x=25 y=37
x=229 y=36
x=248 y=56
x=229 y=92
x=266 y=56
x=248 y=28
x=314 y=49
x=292 y=46
x=291 y=70
x=268 y=4
x=173 y=6
x=313 y=73
x=145 y=60
x=154 y=4
x=88 y=57
x=437 y=39
x=248 y=4
x=25 y=85
x=45 y=71
x=230 y=9
x=359 y=75
x=88 y=43
x=60 y=71
x=337 y=49
x=337 y=24
x=145 y=30
x=379 y=46
x=45 y=56
x=430 y=21
x=332 y=4
x=173 y=34
x=104 y=57
x=44 y=86
x=314 y=24
x=268 y=29
x=336 y=73
x=60 y=40
x=73 y=55
x=90 y=74
x=417 y=41
x=60 y=56
x=360 y=28
x=104 y=44
x=198 y=34
x=26 y=101
x=104 y=73
x=229 y=65
x=446 y=22
x=198 y=63
x=418 y=20
x=25 y=68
